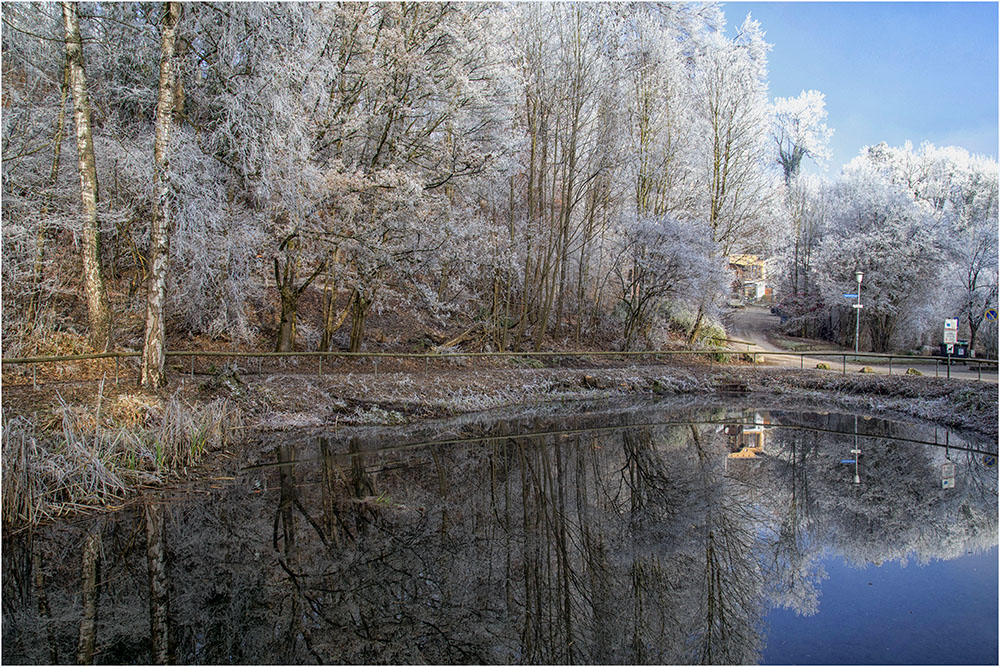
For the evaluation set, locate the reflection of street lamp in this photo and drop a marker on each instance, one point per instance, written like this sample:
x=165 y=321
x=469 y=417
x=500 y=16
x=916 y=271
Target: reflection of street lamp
x=858 y=275
x=857 y=450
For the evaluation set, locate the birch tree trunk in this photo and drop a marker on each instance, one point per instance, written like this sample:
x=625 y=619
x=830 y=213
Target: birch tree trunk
x=159 y=586
x=89 y=590
x=152 y=374
x=98 y=311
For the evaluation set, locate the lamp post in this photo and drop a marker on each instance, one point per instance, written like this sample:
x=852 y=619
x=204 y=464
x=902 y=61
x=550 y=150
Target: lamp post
x=858 y=275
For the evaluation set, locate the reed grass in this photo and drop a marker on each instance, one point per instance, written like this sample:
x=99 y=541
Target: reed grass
x=87 y=460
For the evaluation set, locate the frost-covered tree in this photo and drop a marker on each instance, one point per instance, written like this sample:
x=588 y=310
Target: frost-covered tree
x=478 y=162
x=876 y=227
x=665 y=259
x=960 y=191
x=800 y=131
x=736 y=187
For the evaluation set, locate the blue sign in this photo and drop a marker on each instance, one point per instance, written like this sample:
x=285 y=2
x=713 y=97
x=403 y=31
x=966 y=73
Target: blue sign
x=989 y=461
x=848 y=461
x=850 y=296
x=991 y=315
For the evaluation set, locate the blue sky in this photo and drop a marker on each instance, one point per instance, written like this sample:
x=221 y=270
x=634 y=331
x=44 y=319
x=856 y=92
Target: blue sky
x=891 y=71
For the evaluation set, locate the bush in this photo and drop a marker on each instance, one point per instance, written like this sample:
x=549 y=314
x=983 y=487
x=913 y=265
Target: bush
x=823 y=366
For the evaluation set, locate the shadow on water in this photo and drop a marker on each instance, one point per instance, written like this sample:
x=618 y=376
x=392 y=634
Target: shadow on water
x=640 y=535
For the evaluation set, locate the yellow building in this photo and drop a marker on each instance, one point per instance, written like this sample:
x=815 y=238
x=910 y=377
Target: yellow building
x=746 y=441
x=751 y=277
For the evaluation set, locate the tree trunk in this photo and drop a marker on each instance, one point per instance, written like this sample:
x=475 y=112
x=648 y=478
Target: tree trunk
x=360 y=306
x=974 y=323
x=286 y=330
x=89 y=592
x=285 y=281
x=98 y=310
x=696 y=327
x=331 y=320
x=159 y=587
x=41 y=595
x=152 y=373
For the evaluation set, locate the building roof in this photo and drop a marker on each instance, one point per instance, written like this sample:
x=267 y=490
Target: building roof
x=745 y=260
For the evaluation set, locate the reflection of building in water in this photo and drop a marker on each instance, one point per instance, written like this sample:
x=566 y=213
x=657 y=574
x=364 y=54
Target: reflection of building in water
x=746 y=440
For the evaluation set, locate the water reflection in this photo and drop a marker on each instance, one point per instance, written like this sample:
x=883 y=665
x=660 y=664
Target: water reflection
x=642 y=536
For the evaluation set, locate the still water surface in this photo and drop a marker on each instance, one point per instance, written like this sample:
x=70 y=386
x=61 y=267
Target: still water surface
x=729 y=534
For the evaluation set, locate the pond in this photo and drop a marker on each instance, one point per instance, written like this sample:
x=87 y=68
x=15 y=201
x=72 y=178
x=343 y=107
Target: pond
x=723 y=532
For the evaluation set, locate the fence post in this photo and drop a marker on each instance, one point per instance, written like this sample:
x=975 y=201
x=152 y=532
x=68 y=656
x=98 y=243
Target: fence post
x=802 y=361
x=321 y=365
x=116 y=370
x=890 y=364
x=845 y=365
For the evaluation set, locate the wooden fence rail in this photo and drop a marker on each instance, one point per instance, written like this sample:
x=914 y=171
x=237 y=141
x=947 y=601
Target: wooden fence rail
x=843 y=356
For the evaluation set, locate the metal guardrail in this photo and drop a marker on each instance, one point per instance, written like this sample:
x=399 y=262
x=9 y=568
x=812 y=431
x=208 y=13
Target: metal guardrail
x=861 y=356
x=118 y=356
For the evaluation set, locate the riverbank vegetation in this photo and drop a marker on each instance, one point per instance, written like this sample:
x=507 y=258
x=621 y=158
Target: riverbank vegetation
x=90 y=453
x=84 y=457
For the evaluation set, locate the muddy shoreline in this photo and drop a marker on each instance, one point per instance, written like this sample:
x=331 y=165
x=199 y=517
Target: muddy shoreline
x=360 y=395
x=273 y=407
x=398 y=397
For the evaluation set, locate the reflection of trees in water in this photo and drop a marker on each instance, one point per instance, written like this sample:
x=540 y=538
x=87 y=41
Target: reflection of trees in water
x=899 y=509
x=793 y=570
x=634 y=546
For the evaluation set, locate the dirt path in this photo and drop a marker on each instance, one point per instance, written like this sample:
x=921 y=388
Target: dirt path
x=757 y=325
x=752 y=324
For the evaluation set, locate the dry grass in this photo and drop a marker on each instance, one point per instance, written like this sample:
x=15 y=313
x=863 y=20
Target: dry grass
x=84 y=459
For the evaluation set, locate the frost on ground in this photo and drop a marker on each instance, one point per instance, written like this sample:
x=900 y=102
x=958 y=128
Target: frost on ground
x=391 y=398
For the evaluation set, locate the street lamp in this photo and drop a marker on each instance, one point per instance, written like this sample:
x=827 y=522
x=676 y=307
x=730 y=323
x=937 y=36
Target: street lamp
x=858 y=275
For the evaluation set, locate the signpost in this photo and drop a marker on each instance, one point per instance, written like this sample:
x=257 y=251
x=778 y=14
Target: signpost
x=991 y=314
x=948 y=476
x=951 y=330
x=950 y=338
x=858 y=275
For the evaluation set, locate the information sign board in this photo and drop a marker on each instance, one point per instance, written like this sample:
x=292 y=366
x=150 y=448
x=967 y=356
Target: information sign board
x=951 y=324
x=948 y=475
x=950 y=336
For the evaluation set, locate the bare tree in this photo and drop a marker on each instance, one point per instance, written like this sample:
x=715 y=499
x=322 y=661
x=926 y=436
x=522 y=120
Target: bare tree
x=98 y=309
x=153 y=348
